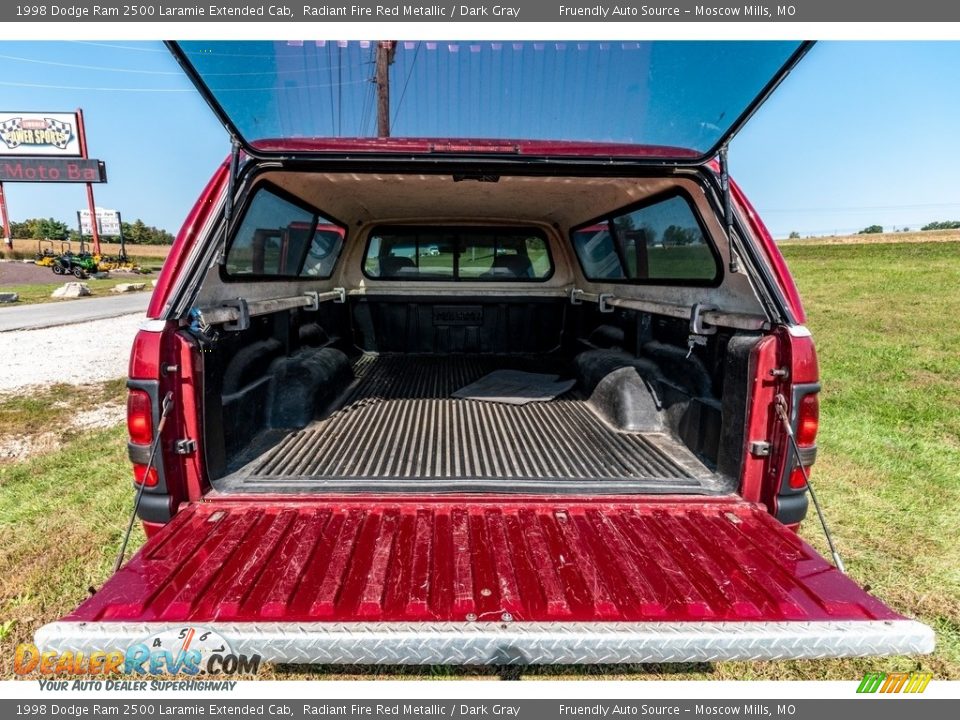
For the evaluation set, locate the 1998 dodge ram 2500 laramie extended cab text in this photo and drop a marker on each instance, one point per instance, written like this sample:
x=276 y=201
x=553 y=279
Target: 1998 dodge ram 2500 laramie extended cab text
x=474 y=399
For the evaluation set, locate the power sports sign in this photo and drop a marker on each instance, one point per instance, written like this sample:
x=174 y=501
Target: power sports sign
x=36 y=134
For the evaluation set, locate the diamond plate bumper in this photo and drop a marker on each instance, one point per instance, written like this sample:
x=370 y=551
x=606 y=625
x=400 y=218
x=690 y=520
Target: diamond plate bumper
x=521 y=643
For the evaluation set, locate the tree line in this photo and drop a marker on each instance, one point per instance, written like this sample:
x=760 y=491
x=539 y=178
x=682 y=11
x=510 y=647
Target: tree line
x=135 y=233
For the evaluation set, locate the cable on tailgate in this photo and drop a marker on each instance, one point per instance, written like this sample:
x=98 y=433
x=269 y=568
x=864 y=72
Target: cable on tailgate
x=781 y=410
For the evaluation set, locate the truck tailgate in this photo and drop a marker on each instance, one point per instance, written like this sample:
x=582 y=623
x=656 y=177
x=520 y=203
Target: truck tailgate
x=489 y=580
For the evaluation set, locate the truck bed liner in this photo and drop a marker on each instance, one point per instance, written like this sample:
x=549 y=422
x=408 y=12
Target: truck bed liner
x=399 y=429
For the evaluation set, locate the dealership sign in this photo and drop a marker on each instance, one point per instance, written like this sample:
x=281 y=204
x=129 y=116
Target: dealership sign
x=32 y=134
x=108 y=222
x=52 y=170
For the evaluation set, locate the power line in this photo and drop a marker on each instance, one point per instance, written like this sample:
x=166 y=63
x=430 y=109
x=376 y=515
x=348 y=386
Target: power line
x=406 y=82
x=164 y=90
x=117 y=47
x=105 y=89
x=91 y=67
x=176 y=73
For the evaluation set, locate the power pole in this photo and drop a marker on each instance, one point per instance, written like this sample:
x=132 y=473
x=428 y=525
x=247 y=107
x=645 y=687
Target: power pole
x=385 y=52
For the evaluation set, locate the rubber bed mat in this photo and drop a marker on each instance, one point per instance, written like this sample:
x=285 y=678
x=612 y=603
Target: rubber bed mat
x=400 y=425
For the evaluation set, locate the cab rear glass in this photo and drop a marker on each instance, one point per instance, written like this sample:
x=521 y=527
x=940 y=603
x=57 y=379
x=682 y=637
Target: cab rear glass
x=458 y=254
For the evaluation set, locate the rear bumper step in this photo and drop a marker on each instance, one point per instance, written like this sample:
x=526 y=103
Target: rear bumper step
x=520 y=643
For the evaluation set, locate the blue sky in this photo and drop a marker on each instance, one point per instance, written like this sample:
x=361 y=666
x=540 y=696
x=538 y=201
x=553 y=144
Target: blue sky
x=860 y=133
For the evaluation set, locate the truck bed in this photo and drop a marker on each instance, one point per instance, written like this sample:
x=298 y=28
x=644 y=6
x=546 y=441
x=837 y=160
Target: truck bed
x=398 y=428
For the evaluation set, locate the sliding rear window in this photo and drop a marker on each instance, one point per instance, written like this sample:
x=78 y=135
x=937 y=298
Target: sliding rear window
x=280 y=237
x=659 y=242
x=465 y=254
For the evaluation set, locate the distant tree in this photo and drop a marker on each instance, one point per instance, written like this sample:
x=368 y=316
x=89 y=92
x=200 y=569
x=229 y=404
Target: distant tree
x=871 y=230
x=21 y=230
x=794 y=235
x=676 y=235
x=139 y=233
x=48 y=229
x=40 y=228
x=943 y=225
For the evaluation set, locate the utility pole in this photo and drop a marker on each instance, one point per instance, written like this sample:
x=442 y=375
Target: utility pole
x=385 y=52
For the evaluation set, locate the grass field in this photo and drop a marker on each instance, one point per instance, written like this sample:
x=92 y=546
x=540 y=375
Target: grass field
x=31 y=294
x=28 y=248
x=888 y=471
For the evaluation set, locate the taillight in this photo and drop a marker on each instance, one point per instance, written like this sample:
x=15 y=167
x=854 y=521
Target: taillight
x=808 y=420
x=139 y=417
x=142 y=477
x=798 y=480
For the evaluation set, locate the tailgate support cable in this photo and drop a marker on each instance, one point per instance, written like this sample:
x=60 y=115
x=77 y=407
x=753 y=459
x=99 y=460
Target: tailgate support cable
x=781 y=409
x=167 y=405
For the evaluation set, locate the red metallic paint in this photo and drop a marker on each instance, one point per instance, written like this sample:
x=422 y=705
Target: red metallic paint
x=441 y=146
x=764 y=387
x=151 y=529
x=441 y=560
x=802 y=357
x=145 y=356
x=188 y=420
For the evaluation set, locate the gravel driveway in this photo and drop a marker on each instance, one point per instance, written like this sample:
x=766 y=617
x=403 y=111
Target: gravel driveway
x=18 y=273
x=75 y=354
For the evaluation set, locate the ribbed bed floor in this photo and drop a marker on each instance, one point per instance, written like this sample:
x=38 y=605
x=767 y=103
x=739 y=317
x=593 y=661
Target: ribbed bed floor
x=399 y=429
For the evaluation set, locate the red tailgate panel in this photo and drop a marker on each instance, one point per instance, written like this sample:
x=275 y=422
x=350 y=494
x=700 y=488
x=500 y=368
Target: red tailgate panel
x=447 y=560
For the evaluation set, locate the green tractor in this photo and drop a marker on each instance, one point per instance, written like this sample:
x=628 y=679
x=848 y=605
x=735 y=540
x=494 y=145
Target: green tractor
x=80 y=265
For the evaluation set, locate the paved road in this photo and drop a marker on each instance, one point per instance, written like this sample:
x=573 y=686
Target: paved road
x=67 y=312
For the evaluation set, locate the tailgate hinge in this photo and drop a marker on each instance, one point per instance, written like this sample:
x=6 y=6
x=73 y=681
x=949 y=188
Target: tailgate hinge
x=760 y=448
x=185 y=446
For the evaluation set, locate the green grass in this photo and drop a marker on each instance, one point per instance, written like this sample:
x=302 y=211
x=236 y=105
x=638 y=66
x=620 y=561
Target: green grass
x=885 y=320
x=50 y=408
x=31 y=294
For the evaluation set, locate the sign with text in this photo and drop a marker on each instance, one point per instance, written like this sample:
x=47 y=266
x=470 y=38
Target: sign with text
x=39 y=133
x=108 y=222
x=53 y=170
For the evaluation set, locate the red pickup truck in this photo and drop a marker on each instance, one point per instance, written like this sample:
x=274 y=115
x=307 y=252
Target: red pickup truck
x=466 y=400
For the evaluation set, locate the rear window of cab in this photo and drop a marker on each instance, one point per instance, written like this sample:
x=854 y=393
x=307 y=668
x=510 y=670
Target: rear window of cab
x=660 y=241
x=464 y=254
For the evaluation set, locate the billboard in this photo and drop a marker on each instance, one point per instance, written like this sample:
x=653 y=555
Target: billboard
x=54 y=170
x=39 y=133
x=108 y=222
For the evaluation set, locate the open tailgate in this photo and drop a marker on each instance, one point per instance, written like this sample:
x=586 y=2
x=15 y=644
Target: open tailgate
x=502 y=580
